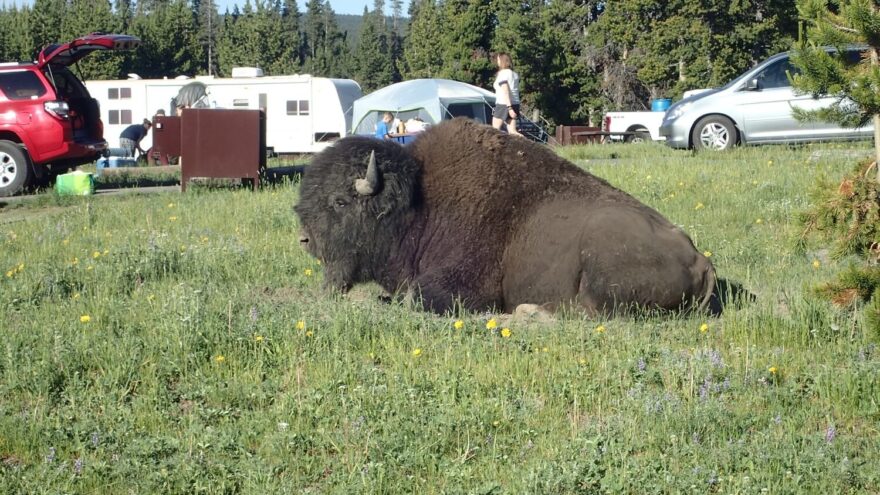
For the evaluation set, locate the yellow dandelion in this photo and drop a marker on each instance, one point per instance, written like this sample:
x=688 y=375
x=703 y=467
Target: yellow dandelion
x=204 y=239
x=258 y=338
x=318 y=262
x=151 y=297
x=704 y=328
x=416 y=352
x=582 y=361
x=85 y=319
x=600 y=329
x=75 y=295
x=96 y=254
x=172 y=219
x=106 y=252
x=546 y=349
x=754 y=183
x=759 y=221
x=648 y=178
x=90 y=267
x=74 y=261
x=20 y=267
x=308 y=272
x=505 y=332
x=699 y=206
x=220 y=358
x=300 y=325
x=458 y=324
x=681 y=184
x=491 y=324
x=65 y=242
x=770 y=163
x=496 y=423
x=171 y=205
x=10 y=273
x=772 y=370
x=309 y=333
x=816 y=264
x=707 y=254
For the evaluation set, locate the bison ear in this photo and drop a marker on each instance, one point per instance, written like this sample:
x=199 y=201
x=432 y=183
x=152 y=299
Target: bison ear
x=369 y=185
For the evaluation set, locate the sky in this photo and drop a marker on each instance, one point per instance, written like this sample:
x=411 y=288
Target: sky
x=352 y=7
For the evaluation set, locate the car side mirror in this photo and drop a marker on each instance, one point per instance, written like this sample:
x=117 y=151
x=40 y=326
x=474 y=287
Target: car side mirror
x=752 y=85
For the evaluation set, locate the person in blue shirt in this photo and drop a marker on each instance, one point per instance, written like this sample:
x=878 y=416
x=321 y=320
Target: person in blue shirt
x=383 y=131
x=130 y=138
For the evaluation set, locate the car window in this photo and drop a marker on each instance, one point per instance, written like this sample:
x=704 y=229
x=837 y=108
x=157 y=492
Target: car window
x=66 y=84
x=776 y=75
x=21 y=85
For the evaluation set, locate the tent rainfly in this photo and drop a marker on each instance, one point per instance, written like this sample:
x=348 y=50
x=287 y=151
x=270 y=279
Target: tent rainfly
x=432 y=100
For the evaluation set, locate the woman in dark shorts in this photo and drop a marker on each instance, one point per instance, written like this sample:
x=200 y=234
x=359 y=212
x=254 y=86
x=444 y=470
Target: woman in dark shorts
x=506 y=95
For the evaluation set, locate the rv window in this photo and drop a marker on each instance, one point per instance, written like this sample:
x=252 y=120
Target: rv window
x=125 y=92
x=321 y=137
x=125 y=117
x=240 y=103
x=113 y=117
x=297 y=107
x=113 y=93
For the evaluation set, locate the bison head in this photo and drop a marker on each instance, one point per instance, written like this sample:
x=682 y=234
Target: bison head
x=357 y=198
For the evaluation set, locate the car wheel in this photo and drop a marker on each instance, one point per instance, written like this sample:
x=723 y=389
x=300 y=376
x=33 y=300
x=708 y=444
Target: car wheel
x=714 y=133
x=15 y=170
x=638 y=136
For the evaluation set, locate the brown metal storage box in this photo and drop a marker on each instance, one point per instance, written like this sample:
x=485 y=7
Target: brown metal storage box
x=222 y=143
x=166 y=139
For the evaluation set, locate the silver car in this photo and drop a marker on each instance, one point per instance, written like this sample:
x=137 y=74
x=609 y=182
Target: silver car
x=754 y=108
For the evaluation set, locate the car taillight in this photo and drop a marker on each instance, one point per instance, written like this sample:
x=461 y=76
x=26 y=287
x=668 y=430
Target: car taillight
x=58 y=109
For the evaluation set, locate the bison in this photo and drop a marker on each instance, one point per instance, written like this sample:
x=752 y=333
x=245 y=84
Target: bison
x=468 y=215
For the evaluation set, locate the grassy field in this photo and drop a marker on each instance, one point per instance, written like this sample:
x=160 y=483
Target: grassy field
x=180 y=343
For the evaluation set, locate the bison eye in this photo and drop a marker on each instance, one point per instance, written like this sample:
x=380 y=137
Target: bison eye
x=339 y=202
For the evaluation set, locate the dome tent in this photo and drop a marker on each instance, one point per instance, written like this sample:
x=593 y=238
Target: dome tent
x=432 y=100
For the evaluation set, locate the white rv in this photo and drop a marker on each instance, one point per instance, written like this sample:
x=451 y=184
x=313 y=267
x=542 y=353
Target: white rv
x=304 y=114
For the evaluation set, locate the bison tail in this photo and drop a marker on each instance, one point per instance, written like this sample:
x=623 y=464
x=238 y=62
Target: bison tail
x=709 y=296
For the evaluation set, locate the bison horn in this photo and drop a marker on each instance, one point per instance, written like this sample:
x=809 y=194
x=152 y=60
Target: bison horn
x=369 y=185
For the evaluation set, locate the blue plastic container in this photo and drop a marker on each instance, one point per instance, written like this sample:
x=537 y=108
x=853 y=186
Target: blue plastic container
x=660 y=104
x=113 y=162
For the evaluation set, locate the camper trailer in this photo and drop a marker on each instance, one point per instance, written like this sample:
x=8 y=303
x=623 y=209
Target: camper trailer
x=304 y=114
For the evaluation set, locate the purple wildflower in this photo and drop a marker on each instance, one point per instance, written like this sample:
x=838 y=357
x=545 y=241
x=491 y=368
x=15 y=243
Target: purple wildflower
x=95 y=439
x=51 y=456
x=78 y=465
x=254 y=314
x=830 y=433
x=642 y=365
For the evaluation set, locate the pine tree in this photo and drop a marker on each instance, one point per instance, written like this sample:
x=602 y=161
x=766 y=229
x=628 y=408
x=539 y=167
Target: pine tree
x=842 y=23
x=88 y=16
x=208 y=25
x=325 y=46
x=421 y=56
x=373 y=61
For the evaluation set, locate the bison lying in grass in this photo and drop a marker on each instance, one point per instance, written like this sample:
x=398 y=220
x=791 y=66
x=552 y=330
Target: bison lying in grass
x=468 y=215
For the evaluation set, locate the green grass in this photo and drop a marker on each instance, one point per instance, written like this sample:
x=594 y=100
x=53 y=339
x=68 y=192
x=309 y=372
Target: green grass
x=180 y=343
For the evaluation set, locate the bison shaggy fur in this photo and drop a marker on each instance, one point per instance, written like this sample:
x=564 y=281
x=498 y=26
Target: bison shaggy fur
x=468 y=215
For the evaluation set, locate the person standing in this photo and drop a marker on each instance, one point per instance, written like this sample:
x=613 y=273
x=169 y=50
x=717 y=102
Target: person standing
x=506 y=95
x=130 y=138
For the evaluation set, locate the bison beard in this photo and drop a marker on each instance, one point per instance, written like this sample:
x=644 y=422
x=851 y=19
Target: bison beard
x=468 y=215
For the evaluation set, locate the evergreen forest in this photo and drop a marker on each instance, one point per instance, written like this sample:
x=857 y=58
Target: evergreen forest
x=577 y=58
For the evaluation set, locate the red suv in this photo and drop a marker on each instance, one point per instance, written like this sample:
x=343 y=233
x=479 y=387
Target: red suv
x=48 y=121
